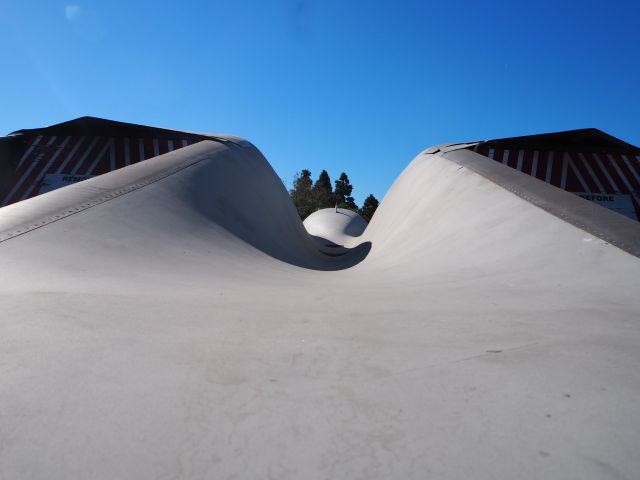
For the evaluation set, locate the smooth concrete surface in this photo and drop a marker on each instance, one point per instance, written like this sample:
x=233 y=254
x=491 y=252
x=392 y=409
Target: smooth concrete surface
x=173 y=319
x=335 y=230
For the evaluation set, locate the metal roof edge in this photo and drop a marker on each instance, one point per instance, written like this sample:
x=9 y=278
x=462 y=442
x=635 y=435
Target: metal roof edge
x=96 y=125
x=584 y=138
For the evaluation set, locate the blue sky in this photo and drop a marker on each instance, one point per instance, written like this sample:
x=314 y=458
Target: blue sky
x=355 y=86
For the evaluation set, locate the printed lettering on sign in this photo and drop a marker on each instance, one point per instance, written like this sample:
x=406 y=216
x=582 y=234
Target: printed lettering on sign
x=616 y=202
x=53 y=181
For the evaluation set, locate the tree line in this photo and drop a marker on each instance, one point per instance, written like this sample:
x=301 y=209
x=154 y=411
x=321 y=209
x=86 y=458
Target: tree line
x=308 y=196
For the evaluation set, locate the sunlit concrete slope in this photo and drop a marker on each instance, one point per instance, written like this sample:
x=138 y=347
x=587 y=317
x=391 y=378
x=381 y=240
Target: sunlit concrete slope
x=173 y=319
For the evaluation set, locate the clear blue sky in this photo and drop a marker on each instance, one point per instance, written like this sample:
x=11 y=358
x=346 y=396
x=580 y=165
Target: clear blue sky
x=359 y=86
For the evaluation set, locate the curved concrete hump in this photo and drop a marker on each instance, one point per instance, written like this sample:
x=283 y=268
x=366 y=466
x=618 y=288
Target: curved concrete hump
x=602 y=222
x=39 y=160
x=173 y=318
x=335 y=229
x=227 y=186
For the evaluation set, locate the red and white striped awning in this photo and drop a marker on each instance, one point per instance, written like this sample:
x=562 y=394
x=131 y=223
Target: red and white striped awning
x=64 y=159
x=575 y=171
x=588 y=174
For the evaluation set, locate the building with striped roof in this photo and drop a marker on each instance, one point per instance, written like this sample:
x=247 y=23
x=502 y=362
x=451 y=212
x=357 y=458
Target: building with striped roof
x=588 y=162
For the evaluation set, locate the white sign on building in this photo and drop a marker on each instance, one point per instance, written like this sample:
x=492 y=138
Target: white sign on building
x=54 y=181
x=618 y=202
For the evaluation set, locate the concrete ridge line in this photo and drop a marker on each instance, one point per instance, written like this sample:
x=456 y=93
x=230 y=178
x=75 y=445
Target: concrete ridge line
x=609 y=226
x=101 y=198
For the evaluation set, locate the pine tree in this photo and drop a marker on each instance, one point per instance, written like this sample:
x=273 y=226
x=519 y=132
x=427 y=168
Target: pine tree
x=322 y=192
x=302 y=195
x=368 y=208
x=342 y=193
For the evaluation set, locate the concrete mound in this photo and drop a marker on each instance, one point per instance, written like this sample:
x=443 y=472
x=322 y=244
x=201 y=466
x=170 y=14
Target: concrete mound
x=174 y=319
x=226 y=193
x=335 y=229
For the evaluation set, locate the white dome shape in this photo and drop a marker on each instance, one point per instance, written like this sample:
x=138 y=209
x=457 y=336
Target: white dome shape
x=334 y=228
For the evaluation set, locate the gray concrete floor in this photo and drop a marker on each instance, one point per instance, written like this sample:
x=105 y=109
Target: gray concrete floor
x=173 y=328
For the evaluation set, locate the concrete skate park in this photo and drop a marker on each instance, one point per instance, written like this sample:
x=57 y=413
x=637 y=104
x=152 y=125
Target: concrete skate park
x=172 y=317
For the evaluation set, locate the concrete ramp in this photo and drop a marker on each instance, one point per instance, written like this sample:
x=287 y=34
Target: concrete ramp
x=173 y=319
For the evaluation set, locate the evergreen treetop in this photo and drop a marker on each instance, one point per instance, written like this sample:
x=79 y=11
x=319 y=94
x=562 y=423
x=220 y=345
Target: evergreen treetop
x=322 y=191
x=302 y=195
x=308 y=196
x=368 y=208
x=342 y=193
